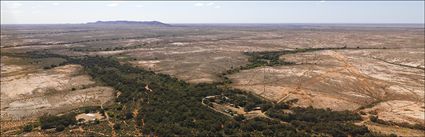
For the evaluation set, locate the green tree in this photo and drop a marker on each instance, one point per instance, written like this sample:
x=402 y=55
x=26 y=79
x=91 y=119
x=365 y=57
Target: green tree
x=60 y=128
x=27 y=128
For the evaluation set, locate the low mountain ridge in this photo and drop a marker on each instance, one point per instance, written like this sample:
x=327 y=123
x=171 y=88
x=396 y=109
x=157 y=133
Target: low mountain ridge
x=123 y=22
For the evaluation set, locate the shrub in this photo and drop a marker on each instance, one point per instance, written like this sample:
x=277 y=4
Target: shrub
x=265 y=107
x=27 y=128
x=60 y=128
x=86 y=110
x=49 y=121
x=128 y=115
x=117 y=126
x=373 y=118
x=96 y=121
x=393 y=135
x=239 y=117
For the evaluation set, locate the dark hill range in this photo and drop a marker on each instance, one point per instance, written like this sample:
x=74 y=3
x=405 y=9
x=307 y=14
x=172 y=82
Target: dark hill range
x=149 y=23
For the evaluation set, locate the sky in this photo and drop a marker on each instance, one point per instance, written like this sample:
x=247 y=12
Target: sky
x=25 y=12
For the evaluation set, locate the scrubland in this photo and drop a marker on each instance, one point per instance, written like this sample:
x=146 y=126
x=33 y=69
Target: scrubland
x=368 y=71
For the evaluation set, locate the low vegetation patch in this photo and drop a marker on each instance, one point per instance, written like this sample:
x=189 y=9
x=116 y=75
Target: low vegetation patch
x=57 y=122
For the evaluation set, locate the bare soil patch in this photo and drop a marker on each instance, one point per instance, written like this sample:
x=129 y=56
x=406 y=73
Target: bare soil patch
x=342 y=80
x=28 y=94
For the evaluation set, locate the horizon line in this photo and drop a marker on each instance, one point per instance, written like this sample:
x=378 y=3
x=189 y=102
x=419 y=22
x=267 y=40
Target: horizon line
x=228 y=23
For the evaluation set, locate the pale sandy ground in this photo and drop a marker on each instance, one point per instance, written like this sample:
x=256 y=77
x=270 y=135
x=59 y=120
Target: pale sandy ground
x=343 y=80
x=194 y=66
x=400 y=131
x=89 y=116
x=59 y=78
x=400 y=111
x=57 y=103
x=194 y=47
x=28 y=94
x=222 y=108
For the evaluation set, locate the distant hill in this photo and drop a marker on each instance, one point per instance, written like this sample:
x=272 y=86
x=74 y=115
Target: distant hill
x=123 y=22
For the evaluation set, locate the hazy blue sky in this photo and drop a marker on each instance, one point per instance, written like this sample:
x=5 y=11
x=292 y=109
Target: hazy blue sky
x=214 y=12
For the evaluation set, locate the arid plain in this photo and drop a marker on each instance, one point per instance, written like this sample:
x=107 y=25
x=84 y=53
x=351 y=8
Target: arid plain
x=375 y=70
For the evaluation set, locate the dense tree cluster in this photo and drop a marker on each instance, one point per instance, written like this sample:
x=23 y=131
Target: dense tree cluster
x=258 y=59
x=333 y=128
x=57 y=122
x=311 y=114
x=335 y=123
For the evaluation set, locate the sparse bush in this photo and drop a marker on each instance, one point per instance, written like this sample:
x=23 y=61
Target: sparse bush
x=102 y=112
x=117 y=126
x=128 y=115
x=27 y=128
x=282 y=106
x=96 y=121
x=265 y=107
x=60 y=128
x=374 y=118
x=86 y=110
x=239 y=117
x=393 y=135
